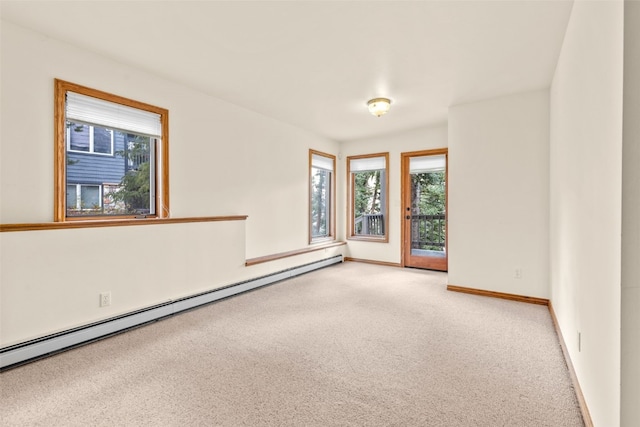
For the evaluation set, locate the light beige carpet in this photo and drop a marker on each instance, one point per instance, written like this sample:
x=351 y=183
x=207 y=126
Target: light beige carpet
x=350 y=345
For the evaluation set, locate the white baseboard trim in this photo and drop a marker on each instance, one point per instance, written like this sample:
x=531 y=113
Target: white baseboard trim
x=22 y=353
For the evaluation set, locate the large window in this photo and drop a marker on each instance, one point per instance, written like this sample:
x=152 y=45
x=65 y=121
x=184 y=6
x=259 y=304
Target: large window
x=321 y=196
x=111 y=156
x=368 y=198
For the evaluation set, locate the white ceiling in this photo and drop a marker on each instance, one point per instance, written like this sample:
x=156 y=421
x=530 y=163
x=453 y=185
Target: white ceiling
x=314 y=64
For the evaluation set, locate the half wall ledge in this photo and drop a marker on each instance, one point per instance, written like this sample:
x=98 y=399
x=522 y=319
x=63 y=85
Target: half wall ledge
x=280 y=255
x=114 y=223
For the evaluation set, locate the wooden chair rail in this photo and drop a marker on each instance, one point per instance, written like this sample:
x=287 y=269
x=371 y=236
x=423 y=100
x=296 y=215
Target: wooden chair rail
x=114 y=223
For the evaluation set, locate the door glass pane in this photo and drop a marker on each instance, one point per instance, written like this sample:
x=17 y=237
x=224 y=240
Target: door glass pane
x=428 y=204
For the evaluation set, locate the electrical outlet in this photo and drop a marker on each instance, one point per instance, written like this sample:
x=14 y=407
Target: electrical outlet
x=517 y=273
x=105 y=299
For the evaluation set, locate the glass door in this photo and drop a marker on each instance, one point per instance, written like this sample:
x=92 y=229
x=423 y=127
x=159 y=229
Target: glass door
x=424 y=187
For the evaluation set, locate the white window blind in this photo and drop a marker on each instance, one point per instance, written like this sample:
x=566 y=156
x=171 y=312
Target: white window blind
x=367 y=164
x=321 y=162
x=87 y=109
x=427 y=164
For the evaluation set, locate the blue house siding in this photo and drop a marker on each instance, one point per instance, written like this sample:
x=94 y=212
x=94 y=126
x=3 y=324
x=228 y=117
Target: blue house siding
x=91 y=168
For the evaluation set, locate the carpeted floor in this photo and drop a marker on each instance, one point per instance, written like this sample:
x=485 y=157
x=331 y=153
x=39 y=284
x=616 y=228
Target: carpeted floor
x=349 y=345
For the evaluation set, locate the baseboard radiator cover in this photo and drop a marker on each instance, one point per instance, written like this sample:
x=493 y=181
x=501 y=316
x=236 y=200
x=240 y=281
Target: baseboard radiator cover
x=19 y=354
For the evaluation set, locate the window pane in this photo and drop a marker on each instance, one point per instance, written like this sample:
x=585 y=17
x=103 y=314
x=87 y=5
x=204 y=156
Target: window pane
x=136 y=184
x=90 y=197
x=79 y=136
x=102 y=140
x=72 y=196
x=126 y=176
x=368 y=198
x=320 y=202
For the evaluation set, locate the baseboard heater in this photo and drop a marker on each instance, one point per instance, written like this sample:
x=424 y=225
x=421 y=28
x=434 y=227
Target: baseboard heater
x=29 y=351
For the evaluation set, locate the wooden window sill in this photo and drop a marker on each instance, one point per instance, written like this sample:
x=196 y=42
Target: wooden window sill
x=364 y=238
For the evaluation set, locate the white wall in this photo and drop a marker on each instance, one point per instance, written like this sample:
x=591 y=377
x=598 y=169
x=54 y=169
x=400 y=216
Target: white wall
x=630 y=366
x=585 y=200
x=48 y=285
x=224 y=160
x=498 y=194
x=415 y=140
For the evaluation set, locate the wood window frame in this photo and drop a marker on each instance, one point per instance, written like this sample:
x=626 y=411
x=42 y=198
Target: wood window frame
x=332 y=199
x=60 y=147
x=351 y=201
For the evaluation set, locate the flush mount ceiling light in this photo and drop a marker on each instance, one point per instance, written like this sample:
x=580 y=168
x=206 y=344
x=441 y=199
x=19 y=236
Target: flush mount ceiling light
x=379 y=106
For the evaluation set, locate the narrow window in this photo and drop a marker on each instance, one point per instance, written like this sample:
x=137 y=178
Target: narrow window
x=111 y=156
x=368 y=184
x=321 y=196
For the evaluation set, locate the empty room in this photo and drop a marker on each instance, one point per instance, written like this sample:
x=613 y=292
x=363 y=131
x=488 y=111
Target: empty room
x=320 y=213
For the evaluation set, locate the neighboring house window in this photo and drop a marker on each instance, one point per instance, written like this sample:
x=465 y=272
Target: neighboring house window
x=111 y=156
x=89 y=139
x=321 y=196
x=368 y=185
x=84 y=197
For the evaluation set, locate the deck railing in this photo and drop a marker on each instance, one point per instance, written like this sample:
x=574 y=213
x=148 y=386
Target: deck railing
x=428 y=232
x=134 y=161
x=369 y=225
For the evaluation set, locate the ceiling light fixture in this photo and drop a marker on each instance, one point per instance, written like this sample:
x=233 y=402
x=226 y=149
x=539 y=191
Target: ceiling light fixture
x=379 y=106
